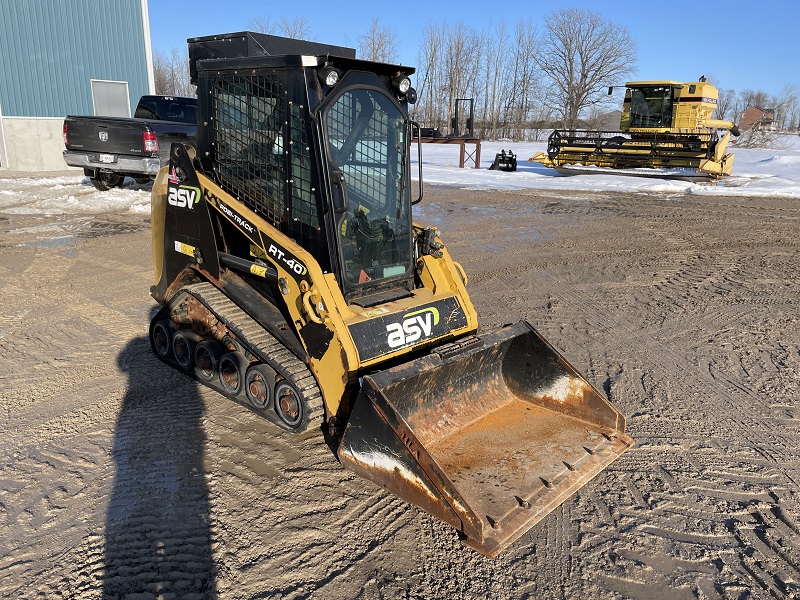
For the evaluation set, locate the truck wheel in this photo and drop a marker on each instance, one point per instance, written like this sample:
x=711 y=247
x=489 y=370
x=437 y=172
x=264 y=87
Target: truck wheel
x=105 y=180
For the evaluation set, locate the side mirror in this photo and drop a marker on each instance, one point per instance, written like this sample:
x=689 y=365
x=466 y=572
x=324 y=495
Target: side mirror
x=610 y=90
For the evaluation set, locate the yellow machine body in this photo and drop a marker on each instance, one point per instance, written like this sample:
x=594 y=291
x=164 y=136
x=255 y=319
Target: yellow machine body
x=294 y=281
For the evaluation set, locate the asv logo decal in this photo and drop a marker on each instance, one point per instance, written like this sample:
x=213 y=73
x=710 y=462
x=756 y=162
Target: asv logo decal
x=415 y=325
x=184 y=196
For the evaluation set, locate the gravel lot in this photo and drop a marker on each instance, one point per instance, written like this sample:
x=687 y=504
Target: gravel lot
x=121 y=478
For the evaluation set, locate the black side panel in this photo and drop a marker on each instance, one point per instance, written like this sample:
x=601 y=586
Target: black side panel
x=188 y=233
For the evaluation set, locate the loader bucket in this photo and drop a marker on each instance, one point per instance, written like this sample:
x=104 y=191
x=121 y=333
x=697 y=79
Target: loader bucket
x=489 y=434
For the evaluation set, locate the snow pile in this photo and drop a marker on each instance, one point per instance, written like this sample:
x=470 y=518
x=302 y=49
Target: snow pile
x=70 y=195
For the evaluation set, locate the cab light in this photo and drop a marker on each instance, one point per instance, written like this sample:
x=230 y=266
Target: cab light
x=329 y=76
x=401 y=83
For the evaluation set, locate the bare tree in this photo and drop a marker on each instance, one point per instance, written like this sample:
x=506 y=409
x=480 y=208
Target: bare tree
x=786 y=109
x=581 y=54
x=449 y=60
x=262 y=25
x=297 y=29
x=171 y=73
x=496 y=54
x=429 y=65
x=725 y=105
x=462 y=56
x=758 y=98
x=378 y=44
x=524 y=87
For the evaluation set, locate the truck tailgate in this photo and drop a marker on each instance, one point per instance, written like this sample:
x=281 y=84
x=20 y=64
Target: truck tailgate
x=105 y=135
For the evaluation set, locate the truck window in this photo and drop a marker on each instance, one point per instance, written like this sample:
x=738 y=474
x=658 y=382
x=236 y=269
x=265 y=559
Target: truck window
x=147 y=109
x=181 y=110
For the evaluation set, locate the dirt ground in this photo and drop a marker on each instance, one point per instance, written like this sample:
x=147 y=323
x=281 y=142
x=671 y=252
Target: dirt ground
x=121 y=478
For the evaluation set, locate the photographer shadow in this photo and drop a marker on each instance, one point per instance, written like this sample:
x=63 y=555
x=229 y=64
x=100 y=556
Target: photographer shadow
x=158 y=536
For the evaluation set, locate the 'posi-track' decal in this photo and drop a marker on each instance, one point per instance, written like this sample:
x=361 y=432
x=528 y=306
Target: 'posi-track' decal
x=396 y=331
x=239 y=220
x=274 y=251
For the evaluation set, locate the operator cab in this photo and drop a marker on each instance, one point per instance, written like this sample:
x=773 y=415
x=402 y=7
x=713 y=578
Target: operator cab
x=317 y=145
x=651 y=106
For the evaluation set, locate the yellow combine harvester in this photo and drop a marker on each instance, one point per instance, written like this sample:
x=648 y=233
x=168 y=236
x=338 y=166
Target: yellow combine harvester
x=665 y=125
x=293 y=280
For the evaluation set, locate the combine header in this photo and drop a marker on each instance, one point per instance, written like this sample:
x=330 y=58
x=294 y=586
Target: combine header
x=665 y=125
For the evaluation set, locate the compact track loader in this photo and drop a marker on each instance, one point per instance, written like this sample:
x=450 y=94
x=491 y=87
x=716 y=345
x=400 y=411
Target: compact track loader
x=293 y=280
x=665 y=125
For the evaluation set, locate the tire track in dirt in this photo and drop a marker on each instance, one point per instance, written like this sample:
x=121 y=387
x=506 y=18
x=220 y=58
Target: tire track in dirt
x=680 y=286
x=688 y=275
x=99 y=496
x=297 y=492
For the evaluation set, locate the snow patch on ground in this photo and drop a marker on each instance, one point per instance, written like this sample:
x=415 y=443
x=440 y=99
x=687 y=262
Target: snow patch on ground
x=756 y=172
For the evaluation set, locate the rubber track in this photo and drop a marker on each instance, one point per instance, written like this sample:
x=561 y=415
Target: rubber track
x=263 y=345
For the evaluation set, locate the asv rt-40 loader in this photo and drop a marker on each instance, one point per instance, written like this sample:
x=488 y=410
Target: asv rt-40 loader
x=665 y=125
x=294 y=281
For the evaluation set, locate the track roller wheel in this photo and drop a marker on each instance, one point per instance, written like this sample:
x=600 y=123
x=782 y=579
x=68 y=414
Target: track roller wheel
x=232 y=372
x=161 y=337
x=183 y=346
x=206 y=360
x=229 y=343
x=289 y=406
x=259 y=385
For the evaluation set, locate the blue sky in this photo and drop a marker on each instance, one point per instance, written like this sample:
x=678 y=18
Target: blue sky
x=679 y=39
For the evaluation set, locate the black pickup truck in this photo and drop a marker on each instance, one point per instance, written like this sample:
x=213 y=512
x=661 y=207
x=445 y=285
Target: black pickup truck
x=111 y=148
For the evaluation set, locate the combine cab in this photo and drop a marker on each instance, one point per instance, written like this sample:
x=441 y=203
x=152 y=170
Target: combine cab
x=666 y=126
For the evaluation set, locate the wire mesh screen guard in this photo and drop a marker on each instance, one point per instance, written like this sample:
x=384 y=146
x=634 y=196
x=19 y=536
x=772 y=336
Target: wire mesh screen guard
x=262 y=154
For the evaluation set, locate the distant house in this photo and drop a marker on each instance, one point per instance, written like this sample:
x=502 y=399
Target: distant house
x=90 y=57
x=756 y=117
